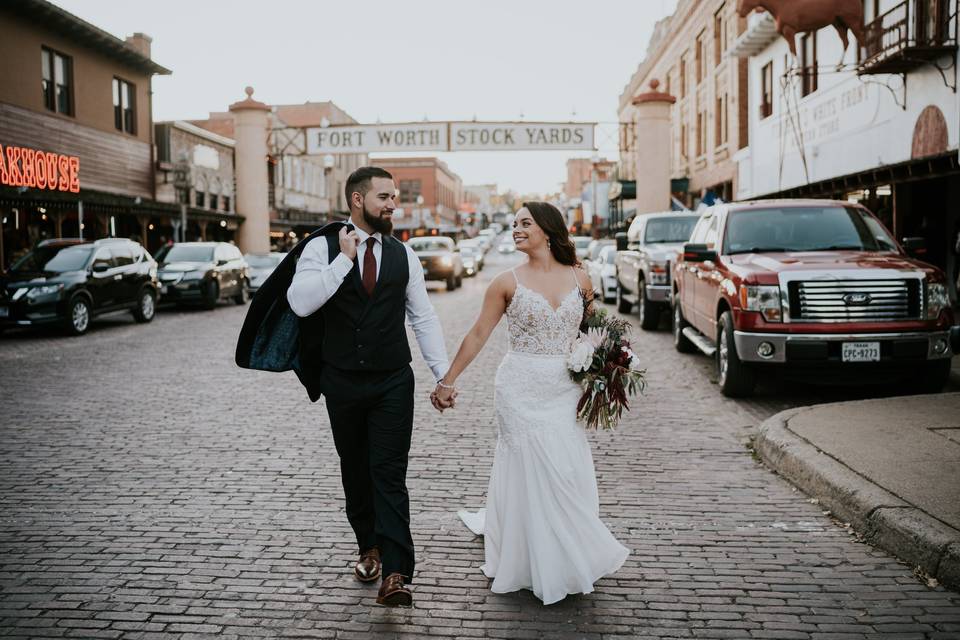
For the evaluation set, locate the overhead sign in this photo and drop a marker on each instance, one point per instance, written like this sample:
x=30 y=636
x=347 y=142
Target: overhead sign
x=23 y=167
x=451 y=136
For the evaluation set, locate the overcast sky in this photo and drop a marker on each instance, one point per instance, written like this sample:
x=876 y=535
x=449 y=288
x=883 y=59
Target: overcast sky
x=401 y=61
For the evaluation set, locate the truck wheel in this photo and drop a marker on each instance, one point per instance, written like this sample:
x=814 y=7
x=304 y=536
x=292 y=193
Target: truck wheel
x=649 y=311
x=680 y=342
x=622 y=305
x=735 y=378
x=933 y=377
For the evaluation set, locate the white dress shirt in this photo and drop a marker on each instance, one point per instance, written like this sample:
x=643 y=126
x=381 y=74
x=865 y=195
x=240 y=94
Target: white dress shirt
x=317 y=279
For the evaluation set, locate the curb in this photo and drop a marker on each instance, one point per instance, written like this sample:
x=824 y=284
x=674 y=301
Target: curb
x=879 y=516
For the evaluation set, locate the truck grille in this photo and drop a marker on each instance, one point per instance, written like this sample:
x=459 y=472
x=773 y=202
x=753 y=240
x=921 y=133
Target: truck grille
x=855 y=300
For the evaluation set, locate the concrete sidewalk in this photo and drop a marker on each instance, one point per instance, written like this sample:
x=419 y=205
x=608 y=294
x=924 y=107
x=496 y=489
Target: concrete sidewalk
x=889 y=467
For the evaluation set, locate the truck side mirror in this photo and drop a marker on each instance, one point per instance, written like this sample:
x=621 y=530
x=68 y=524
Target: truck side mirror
x=698 y=253
x=621 y=241
x=914 y=246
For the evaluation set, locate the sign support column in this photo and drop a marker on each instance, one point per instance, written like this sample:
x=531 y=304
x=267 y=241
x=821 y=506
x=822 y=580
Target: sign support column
x=654 y=149
x=251 y=131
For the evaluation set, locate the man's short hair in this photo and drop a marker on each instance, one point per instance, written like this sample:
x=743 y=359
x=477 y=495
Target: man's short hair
x=360 y=181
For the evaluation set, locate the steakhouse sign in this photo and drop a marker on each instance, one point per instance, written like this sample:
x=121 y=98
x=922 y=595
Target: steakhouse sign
x=450 y=136
x=23 y=167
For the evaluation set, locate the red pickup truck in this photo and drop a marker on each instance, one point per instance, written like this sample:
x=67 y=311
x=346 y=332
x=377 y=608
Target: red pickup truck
x=811 y=287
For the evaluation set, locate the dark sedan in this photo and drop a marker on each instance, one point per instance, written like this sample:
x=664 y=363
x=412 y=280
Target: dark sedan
x=202 y=273
x=67 y=281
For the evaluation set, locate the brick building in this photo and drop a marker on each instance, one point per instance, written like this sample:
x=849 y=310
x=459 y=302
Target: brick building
x=440 y=188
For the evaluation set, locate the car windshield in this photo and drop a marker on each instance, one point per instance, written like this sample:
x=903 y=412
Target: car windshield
x=829 y=228
x=669 y=229
x=430 y=245
x=581 y=242
x=53 y=259
x=187 y=253
x=609 y=256
x=262 y=262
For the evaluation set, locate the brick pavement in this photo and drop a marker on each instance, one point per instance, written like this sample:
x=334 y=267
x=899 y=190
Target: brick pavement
x=150 y=489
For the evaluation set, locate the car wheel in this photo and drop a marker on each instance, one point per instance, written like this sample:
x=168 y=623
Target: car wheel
x=622 y=305
x=459 y=281
x=146 y=305
x=451 y=282
x=649 y=311
x=735 y=378
x=933 y=377
x=241 y=297
x=211 y=295
x=78 y=316
x=680 y=342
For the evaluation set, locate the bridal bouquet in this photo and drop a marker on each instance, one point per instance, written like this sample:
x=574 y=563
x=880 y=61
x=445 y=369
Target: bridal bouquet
x=603 y=364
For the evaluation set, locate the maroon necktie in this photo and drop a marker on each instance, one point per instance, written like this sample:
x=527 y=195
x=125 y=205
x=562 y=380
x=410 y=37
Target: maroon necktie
x=369 y=267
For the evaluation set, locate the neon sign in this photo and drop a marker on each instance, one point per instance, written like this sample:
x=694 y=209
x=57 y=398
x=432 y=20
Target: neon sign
x=23 y=167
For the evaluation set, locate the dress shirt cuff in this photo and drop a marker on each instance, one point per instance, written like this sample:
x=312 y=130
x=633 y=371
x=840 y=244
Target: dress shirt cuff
x=341 y=265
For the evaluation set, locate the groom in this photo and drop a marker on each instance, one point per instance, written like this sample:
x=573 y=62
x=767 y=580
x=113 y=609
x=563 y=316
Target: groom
x=356 y=288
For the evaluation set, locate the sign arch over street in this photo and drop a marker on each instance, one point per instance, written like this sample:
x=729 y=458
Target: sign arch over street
x=442 y=137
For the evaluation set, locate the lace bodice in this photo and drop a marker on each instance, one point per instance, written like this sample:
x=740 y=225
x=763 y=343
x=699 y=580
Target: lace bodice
x=536 y=327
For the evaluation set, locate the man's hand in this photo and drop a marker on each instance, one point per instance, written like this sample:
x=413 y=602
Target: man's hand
x=348 y=243
x=443 y=398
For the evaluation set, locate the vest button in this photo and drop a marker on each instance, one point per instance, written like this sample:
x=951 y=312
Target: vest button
x=359 y=346
x=361 y=362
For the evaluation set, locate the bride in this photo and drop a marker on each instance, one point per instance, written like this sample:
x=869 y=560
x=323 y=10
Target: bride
x=541 y=526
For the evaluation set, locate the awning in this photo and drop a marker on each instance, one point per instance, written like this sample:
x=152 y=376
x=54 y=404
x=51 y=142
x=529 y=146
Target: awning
x=622 y=190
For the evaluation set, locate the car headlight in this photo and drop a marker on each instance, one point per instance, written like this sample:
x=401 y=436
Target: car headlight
x=937 y=299
x=762 y=298
x=45 y=290
x=446 y=261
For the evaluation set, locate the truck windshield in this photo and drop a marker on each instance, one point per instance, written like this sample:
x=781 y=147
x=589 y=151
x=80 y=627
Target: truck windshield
x=669 y=229
x=830 y=228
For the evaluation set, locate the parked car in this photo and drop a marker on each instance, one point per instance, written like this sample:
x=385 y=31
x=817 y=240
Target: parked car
x=202 y=272
x=581 y=243
x=486 y=237
x=440 y=259
x=595 y=246
x=260 y=266
x=67 y=282
x=507 y=245
x=644 y=256
x=810 y=287
x=603 y=273
x=474 y=247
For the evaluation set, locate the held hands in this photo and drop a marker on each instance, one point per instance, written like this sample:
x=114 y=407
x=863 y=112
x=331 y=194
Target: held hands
x=348 y=242
x=443 y=397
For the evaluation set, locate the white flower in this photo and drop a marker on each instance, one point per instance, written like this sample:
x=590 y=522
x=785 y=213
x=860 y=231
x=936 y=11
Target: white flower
x=581 y=357
x=595 y=336
x=634 y=360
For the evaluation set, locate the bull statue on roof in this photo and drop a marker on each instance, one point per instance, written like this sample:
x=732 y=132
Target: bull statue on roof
x=803 y=16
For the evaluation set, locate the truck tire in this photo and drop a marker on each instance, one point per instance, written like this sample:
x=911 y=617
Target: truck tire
x=932 y=377
x=680 y=342
x=622 y=305
x=649 y=311
x=736 y=379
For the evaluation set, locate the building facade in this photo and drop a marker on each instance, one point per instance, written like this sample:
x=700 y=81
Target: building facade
x=688 y=59
x=76 y=130
x=430 y=195
x=877 y=123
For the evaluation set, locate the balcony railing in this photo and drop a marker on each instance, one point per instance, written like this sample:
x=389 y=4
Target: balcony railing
x=908 y=35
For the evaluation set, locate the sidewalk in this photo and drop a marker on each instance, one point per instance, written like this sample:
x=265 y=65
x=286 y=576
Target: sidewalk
x=889 y=467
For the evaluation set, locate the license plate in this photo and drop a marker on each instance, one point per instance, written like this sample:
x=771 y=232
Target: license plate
x=4 y=312
x=860 y=352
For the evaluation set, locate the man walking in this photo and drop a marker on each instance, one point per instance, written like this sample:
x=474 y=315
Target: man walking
x=356 y=288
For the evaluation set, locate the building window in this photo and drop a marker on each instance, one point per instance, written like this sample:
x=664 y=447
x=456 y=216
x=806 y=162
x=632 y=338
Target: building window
x=719 y=34
x=683 y=76
x=766 y=90
x=214 y=201
x=808 y=63
x=409 y=190
x=701 y=133
x=722 y=120
x=683 y=141
x=183 y=196
x=669 y=74
x=124 y=111
x=226 y=203
x=201 y=200
x=57 y=82
x=700 y=60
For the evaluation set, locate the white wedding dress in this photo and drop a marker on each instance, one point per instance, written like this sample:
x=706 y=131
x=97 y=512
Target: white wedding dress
x=541 y=526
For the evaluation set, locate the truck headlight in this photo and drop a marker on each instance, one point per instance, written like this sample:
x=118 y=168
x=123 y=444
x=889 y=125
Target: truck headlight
x=762 y=298
x=937 y=299
x=658 y=273
x=45 y=290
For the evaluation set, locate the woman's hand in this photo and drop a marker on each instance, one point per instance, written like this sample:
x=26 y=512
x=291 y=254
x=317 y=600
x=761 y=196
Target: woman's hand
x=443 y=397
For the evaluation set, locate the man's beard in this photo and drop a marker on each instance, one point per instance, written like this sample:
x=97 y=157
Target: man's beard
x=377 y=223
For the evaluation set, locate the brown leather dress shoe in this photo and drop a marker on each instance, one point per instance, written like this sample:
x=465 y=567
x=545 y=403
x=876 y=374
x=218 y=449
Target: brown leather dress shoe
x=393 y=593
x=368 y=566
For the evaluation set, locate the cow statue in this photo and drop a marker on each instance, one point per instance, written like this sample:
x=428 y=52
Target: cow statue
x=802 y=16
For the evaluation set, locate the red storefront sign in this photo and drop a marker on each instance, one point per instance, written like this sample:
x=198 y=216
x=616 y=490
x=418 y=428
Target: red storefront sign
x=23 y=167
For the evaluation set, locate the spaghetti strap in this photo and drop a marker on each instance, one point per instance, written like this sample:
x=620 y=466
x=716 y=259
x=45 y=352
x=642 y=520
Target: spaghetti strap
x=576 y=280
x=515 y=278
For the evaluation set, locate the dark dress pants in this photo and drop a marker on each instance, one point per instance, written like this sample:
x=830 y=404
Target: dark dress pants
x=372 y=418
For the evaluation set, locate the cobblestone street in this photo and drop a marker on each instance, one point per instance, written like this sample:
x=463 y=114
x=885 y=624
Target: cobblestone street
x=150 y=488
